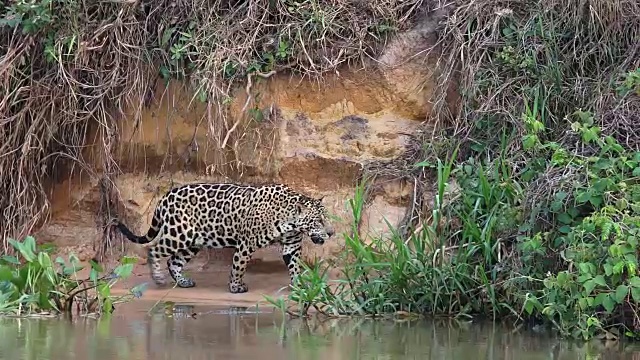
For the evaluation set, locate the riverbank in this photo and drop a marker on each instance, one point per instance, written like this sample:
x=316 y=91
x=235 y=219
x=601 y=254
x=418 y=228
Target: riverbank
x=211 y=285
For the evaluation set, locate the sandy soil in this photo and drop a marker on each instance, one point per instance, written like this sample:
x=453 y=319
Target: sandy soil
x=263 y=278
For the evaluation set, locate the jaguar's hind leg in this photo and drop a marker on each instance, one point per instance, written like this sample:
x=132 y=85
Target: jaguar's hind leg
x=154 y=257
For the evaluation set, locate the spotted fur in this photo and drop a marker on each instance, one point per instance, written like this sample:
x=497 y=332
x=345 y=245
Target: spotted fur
x=194 y=216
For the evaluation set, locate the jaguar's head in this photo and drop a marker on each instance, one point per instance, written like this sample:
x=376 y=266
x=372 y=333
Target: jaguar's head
x=312 y=219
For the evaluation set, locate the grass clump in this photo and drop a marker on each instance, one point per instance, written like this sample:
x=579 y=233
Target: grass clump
x=536 y=195
x=33 y=284
x=70 y=71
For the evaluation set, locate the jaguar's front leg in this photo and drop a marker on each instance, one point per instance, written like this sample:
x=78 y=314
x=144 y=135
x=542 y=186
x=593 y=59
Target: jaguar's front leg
x=176 y=264
x=241 y=259
x=291 y=258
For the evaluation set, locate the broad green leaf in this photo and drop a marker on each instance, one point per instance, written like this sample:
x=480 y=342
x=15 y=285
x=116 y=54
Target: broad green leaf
x=565 y=218
x=96 y=266
x=423 y=164
x=529 y=141
x=70 y=270
x=30 y=246
x=11 y=259
x=635 y=282
x=583 y=303
x=124 y=270
x=129 y=260
x=44 y=260
x=104 y=290
x=596 y=200
x=583 y=197
x=589 y=134
x=599 y=279
x=560 y=195
x=107 y=306
x=565 y=229
x=528 y=307
x=589 y=285
x=93 y=275
x=599 y=299
x=585 y=267
x=608 y=269
x=562 y=277
x=621 y=293
x=74 y=260
x=618 y=267
x=602 y=164
x=622 y=204
x=51 y=275
x=556 y=205
x=22 y=249
x=609 y=303
x=6 y=274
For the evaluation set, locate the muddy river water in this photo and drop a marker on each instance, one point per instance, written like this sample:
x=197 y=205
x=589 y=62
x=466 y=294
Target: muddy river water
x=136 y=331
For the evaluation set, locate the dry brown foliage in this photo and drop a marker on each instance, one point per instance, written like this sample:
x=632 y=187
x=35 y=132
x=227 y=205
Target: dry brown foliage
x=585 y=43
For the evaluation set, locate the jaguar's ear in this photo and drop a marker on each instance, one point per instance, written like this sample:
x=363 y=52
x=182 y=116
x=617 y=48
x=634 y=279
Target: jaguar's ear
x=321 y=198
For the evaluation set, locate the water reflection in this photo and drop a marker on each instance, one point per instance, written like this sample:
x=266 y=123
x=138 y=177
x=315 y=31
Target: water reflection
x=133 y=333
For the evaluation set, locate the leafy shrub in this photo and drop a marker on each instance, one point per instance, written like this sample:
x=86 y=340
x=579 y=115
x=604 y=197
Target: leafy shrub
x=33 y=283
x=592 y=284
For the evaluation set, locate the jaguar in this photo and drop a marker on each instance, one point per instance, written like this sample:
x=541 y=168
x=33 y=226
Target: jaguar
x=194 y=216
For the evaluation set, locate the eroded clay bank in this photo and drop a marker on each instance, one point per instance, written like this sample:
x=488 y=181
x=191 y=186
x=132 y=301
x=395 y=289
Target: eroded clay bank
x=312 y=136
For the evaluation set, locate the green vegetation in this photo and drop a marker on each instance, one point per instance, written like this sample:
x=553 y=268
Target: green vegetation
x=536 y=210
x=34 y=284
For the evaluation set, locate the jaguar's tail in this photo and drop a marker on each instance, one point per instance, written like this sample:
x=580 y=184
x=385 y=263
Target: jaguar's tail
x=145 y=239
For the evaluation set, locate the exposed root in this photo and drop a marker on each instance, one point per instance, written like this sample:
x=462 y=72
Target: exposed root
x=246 y=103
